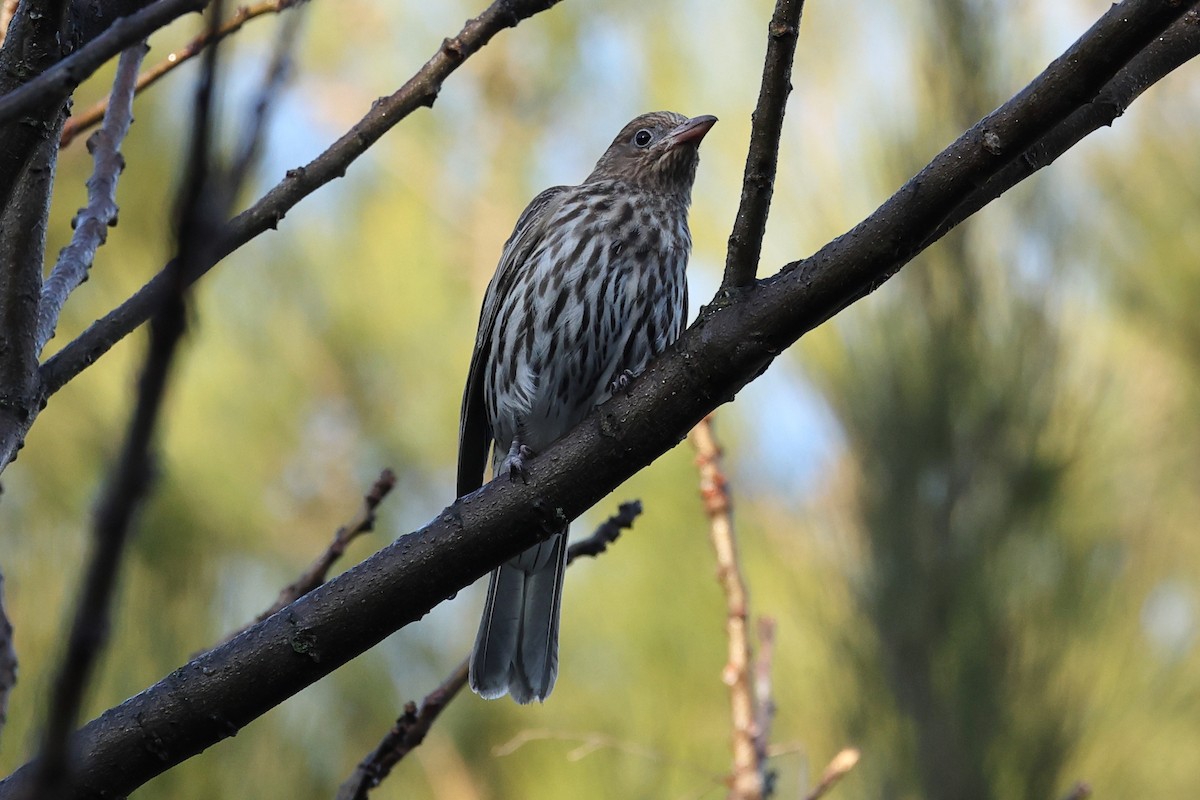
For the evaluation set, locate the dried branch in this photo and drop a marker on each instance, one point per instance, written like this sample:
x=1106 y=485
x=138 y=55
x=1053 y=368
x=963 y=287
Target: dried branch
x=8 y=659
x=419 y=91
x=758 y=183
x=607 y=532
x=93 y=221
x=362 y=522
x=62 y=78
x=842 y=763
x=405 y=736
x=413 y=725
x=83 y=120
x=746 y=781
x=729 y=345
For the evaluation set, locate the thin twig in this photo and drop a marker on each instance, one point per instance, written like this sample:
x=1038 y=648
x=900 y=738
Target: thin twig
x=93 y=221
x=8 y=659
x=842 y=763
x=80 y=122
x=764 y=700
x=407 y=734
x=62 y=78
x=413 y=725
x=758 y=183
x=266 y=214
x=746 y=781
x=607 y=532
x=362 y=522
x=276 y=75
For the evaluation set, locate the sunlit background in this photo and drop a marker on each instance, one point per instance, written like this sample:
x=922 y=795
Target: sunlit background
x=970 y=501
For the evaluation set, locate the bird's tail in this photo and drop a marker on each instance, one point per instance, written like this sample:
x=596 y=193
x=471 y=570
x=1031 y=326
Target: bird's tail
x=516 y=650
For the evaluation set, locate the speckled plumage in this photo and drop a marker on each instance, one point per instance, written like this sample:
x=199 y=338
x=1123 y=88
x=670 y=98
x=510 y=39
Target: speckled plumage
x=590 y=286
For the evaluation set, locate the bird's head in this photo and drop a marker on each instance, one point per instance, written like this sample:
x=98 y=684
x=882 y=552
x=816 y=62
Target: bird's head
x=658 y=152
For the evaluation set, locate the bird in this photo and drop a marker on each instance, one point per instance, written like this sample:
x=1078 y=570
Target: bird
x=590 y=286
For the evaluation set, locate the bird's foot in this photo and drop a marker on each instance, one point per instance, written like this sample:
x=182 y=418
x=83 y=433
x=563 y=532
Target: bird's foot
x=622 y=382
x=514 y=462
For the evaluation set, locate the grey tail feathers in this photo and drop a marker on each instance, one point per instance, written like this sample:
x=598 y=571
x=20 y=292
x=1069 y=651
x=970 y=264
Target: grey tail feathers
x=516 y=651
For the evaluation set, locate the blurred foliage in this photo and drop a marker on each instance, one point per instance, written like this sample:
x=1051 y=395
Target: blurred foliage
x=969 y=501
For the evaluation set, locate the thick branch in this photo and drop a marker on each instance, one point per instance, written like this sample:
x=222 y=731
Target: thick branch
x=23 y=233
x=93 y=221
x=730 y=344
x=758 y=183
x=420 y=90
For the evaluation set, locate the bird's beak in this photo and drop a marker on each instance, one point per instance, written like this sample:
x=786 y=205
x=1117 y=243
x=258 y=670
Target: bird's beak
x=691 y=131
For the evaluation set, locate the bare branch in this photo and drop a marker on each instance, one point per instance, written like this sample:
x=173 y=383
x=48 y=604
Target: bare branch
x=23 y=223
x=83 y=120
x=276 y=75
x=764 y=700
x=758 y=183
x=62 y=78
x=746 y=781
x=405 y=736
x=606 y=533
x=1179 y=44
x=841 y=764
x=93 y=221
x=8 y=659
x=729 y=345
x=266 y=214
x=362 y=522
x=413 y=725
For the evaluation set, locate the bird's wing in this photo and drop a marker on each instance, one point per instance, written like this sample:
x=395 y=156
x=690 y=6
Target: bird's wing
x=475 y=433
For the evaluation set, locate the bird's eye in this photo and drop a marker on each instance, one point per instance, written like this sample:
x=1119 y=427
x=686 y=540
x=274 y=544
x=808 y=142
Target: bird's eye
x=642 y=137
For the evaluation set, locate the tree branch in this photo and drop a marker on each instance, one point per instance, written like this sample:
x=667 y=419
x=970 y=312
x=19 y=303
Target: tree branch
x=746 y=780
x=362 y=522
x=841 y=764
x=61 y=79
x=730 y=344
x=764 y=700
x=80 y=122
x=23 y=223
x=8 y=659
x=266 y=214
x=413 y=725
x=93 y=221
x=758 y=183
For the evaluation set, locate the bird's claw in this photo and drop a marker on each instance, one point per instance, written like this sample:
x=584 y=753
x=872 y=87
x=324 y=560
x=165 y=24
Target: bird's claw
x=514 y=462
x=622 y=382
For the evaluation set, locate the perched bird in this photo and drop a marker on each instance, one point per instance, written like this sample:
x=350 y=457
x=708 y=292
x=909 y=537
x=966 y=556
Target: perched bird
x=589 y=288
